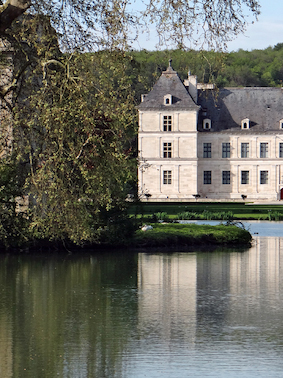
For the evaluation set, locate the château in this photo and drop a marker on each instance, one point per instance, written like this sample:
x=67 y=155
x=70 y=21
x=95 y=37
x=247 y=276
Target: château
x=196 y=140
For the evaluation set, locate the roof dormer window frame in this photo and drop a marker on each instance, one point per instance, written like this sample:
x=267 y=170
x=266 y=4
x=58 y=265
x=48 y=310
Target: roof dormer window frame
x=168 y=99
x=206 y=124
x=245 y=124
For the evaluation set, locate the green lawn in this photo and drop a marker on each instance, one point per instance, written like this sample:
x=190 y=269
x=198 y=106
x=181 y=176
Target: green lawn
x=238 y=210
x=183 y=234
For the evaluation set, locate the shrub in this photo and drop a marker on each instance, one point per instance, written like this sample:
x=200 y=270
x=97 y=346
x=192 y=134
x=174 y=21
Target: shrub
x=160 y=216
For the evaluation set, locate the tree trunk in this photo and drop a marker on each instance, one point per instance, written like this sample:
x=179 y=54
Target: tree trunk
x=14 y=9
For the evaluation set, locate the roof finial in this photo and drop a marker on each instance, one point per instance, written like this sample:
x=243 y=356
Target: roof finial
x=170 y=61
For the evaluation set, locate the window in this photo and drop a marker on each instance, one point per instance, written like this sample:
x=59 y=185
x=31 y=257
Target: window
x=245 y=177
x=167 y=177
x=225 y=177
x=168 y=99
x=245 y=123
x=206 y=177
x=281 y=123
x=263 y=150
x=167 y=123
x=206 y=124
x=207 y=150
x=281 y=150
x=167 y=150
x=264 y=177
x=225 y=150
x=244 y=150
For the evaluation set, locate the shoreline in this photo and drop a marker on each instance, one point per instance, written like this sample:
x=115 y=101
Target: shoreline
x=162 y=236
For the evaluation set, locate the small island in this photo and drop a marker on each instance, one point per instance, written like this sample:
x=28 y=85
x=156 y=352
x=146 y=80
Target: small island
x=175 y=234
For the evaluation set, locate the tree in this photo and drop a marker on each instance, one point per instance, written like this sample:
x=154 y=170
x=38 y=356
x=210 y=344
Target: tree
x=78 y=126
x=113 y=23
x=73 y=114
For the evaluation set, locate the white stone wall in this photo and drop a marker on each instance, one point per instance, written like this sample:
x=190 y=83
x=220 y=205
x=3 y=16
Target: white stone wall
x=184 y=180
x=235 y=164
x=182 y=164
x=182 y=121
x=187 y=164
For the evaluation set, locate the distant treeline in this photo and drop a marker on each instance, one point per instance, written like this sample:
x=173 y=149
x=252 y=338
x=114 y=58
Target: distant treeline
x=262 y=68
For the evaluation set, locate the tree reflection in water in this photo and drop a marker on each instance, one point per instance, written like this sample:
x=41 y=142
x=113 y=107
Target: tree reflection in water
x=136 y=314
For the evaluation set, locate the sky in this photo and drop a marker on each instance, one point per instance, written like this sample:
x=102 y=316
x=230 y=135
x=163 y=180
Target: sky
x=267 y=31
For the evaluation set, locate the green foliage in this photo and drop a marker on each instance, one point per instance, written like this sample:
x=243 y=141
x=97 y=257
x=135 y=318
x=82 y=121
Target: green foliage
x=160 y=216
x=13 y=219
x=187 y=215
x=274 y=215
x=205 y=210
x=206 y=215
x=241 y=68
x=77 y=129
x=174 y=234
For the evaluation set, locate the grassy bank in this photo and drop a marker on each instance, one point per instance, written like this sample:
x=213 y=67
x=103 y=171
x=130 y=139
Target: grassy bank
x=174 y=234
x=206 y=211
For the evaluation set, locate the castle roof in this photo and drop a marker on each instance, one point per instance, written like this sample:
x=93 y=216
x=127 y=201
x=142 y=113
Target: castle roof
x=228 y=107
x=169 y=83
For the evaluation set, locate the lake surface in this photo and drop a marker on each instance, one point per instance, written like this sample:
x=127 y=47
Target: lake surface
x=135 y=315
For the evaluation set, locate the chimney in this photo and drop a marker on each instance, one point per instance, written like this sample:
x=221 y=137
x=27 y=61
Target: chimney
x=191 y=84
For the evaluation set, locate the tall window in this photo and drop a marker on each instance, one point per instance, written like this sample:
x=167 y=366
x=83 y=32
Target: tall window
x=225 y=150
x=244 y=150
x=264 y=177
x=225 y=177
x=281 y=150
x=245 y=179
x=207 y=150
x=167 y=150
x=206 y=177
x=167 y=123
x=263 y=150
x=167 y=177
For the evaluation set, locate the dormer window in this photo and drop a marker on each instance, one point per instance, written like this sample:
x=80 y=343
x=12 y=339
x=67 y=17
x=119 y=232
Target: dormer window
x=245 y=123
x=168 y=99
x=281 y=123
x=206 y=124
x=143 y=96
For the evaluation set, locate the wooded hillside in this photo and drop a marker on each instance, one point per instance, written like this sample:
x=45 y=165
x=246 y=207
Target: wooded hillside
x=242 y=68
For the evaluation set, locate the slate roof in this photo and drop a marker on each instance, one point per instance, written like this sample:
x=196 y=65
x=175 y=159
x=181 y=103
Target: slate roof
x=168 y=83
x=229 y=106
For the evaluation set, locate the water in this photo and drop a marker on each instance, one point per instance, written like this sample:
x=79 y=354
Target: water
x=137 y=315
x=259 y=228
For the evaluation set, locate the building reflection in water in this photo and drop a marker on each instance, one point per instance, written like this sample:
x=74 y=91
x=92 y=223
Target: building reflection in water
x=185 y=295
x=110 y=316
x=167 y=296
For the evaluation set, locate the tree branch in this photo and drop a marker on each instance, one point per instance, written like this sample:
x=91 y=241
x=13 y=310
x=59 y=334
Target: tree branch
x=13 y=10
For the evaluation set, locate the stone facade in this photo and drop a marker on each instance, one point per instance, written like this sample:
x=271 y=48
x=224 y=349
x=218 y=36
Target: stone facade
x=217 y=144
